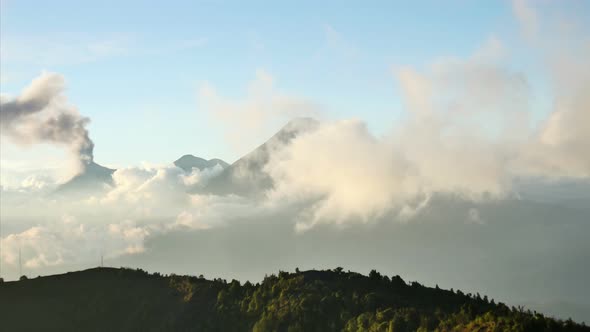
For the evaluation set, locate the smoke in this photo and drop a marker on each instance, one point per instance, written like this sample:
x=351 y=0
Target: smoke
x=41 y=114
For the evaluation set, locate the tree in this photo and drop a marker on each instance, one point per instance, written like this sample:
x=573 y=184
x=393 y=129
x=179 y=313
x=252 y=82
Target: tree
x=320 y=301
x=374 y=275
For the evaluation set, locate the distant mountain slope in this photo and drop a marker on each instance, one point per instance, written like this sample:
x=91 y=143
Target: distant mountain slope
x=188 y=162
x=106 y=299
x=246 y=176
x=567 y=192
x=94 y=178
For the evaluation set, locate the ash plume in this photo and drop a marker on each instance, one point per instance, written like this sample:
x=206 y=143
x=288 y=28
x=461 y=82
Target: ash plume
x=41 y=114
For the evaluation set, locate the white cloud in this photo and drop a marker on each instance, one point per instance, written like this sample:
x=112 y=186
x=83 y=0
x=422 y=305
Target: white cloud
x=462 y=115
x=250 y=120
x=352 y=174
x=474 y=217
x=57 y=241
x=559 y=147
x=51 y=50
x=527 y=16
x=145 y=201
x=130 y=236
x=338 y=43
x=148 y=188
x=189 y=220
x=36 y=182
x=466 y=133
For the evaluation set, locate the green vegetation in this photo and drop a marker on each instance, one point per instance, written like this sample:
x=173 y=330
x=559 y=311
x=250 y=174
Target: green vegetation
x=106 y=299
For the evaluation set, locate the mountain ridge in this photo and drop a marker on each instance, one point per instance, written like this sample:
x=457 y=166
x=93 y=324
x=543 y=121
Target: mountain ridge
x=94 y=177
x=313 y=300
x=188 y=162
x=246 y=176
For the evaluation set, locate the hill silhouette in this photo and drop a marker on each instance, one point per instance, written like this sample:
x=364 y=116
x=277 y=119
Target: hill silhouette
x=109 y=299
x=188 y=162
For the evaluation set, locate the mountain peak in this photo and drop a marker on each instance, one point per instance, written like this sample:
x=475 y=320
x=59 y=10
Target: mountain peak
x=246 y=176
x=189 y=161
x=301 y=123
x=189 y=158
x=98 y=170
x=295 y=127
x=93 y=177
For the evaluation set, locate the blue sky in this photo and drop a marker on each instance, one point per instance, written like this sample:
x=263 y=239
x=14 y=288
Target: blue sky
x=135 y=67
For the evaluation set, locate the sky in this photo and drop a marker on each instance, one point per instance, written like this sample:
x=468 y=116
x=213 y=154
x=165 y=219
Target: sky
x=450 y=148
x=135 y=68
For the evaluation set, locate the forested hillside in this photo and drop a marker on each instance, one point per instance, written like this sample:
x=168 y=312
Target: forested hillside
x=107 y=299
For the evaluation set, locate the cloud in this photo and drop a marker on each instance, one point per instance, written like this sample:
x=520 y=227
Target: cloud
x=478 y=94
x=190 y=221
x=148 y=191
x=55 y=49
x=336 y=41
x=249 y=120
x=130 y=235
x=68 y=240
x=466 y=133
x=347 y=175
x=145 y=201
x=342 y=165
x=462 y=117
x=36 y=182
x=51 y=50
x=558 y=148
x=527 y=16
x=474 y=217
x=157 y=185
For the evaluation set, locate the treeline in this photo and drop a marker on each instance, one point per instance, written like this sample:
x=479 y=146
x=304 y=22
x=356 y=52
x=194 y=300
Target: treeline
x=330 y=300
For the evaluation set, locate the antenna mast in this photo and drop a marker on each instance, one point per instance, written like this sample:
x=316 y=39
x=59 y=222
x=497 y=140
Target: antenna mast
x=20 y=263
x=0 y=247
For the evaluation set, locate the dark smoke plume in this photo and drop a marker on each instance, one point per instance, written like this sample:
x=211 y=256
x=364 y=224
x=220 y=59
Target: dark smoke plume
x=41 y=114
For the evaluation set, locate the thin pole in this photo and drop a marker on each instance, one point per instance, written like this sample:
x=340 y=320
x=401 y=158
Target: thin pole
x=20 y=263
x=0 y=247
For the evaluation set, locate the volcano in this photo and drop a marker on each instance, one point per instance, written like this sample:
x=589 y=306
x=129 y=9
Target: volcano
x=93 y=178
